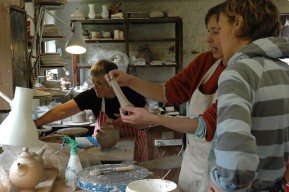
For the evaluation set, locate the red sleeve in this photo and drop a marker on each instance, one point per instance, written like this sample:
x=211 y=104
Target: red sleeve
x=180 y=88
x=210 y=118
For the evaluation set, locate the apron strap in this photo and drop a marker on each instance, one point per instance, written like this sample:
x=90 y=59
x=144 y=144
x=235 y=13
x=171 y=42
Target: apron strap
x=210 y=72
x=103 y=105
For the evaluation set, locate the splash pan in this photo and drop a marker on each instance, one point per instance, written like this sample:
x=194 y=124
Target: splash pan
x=113 y=181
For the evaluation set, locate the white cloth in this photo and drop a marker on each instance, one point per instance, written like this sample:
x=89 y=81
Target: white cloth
x=194 y=175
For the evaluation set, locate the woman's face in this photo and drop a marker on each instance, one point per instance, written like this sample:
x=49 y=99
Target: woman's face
x=213 y=37
x=227 y=38
x=101 y=87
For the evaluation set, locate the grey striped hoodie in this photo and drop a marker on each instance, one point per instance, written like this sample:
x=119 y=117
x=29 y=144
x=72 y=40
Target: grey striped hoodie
x=252 y=141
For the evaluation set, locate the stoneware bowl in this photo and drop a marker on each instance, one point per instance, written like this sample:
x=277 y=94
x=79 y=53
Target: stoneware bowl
x=106 y=34
x=152 y=185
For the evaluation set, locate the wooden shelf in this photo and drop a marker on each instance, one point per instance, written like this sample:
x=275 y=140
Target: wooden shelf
x=150 y=66
x=100 y=21
x=154 y=20
x=104 y=41
x=128 y=24
x=51 y=38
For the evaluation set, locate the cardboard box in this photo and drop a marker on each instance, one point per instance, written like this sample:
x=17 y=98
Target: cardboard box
x=17 y=3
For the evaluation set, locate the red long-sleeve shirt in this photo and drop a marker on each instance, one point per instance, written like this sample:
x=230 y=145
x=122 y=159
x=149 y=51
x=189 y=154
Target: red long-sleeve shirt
x=180 y=88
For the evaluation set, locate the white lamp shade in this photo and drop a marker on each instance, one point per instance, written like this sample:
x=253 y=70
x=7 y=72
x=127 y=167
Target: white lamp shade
x=76 y=44
x=18 y=129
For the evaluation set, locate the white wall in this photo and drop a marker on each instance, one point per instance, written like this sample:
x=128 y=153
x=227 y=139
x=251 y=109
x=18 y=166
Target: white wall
x=192 y=12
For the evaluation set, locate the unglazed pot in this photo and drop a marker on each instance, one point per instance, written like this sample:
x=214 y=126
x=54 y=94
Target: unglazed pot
x=39 y=157
x=91 y=13
x=107 y=136
x=25 y=173
x=105 y=12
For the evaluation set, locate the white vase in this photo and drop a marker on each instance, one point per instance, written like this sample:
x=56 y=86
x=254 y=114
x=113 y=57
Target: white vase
x=105 y=12
x=91 y=13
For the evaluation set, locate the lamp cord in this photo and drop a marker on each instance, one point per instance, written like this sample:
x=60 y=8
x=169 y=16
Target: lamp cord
x=171 y=169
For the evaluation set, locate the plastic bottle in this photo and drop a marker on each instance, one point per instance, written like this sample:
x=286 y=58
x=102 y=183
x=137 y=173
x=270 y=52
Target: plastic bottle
x=74 y=165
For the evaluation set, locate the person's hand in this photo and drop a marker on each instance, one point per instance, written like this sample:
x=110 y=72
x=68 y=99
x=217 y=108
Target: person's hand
x=213 y=187
x=37 y=124
x=122 y=78
x=117 y=121
x=136 y=116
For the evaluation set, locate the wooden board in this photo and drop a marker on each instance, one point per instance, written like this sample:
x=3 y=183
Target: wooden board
x=127 y=155
x=18 y=3
x=50 y=177
x=167 y=162
x=6 y=78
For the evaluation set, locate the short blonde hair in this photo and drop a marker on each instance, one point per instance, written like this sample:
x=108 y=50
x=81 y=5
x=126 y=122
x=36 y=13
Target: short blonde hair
x=102 y=67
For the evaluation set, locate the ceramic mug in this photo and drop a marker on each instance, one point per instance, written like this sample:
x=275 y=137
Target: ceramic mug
x=93 y=34
x=116 y=34
x=121 y=34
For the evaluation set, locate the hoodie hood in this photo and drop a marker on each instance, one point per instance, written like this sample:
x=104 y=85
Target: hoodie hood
x=272 y=47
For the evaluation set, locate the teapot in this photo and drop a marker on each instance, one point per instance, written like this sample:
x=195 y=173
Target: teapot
x=107 y=136
x=25 y=173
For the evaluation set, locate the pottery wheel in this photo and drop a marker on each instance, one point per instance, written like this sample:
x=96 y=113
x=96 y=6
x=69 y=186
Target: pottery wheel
x=97 y=151
x=72 y=131
x=109 y=181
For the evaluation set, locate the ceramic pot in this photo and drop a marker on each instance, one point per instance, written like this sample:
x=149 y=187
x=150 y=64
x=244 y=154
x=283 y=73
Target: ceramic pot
x=105 y=12
x=152 y=185
x=25 y=173
x=106 y=34
x=39 y=157
x=91 y=13
x=107 y=136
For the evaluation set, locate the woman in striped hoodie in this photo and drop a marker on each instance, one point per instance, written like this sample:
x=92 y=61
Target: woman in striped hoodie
x=252 y=137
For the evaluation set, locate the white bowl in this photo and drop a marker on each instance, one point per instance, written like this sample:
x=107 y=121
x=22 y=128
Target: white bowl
x=152 y=185
x=106 y=34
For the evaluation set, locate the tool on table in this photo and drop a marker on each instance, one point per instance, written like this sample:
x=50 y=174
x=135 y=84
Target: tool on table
x=109 y=170
x=110 y=181
x=74 y=165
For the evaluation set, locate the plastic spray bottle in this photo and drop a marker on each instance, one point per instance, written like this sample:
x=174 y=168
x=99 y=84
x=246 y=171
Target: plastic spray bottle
x=74 y=165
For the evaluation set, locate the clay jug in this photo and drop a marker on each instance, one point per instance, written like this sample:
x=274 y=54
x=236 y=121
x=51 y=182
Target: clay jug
x=107 y=136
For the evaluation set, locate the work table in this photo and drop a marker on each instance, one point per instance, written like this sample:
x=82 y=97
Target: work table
x=94 y=156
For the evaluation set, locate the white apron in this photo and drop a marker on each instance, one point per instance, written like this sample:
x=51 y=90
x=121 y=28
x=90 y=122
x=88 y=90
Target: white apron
x=195 y=160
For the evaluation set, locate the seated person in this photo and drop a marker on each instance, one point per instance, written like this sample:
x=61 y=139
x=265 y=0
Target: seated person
x=92 y=99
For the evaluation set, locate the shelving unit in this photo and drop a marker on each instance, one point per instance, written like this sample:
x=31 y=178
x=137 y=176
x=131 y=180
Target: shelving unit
x=128 y=25
x=40 y=41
